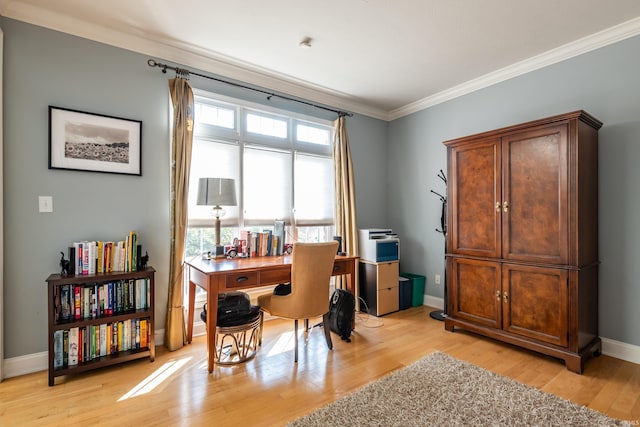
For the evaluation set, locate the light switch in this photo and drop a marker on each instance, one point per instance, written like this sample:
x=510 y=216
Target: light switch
x=45 y=204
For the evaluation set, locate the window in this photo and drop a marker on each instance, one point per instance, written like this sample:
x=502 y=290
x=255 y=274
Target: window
x=262 y=125
x=282 y=165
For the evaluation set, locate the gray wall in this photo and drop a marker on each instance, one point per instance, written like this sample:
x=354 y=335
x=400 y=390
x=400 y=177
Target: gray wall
x=43 y=68
x=395 y=166
x=605 y=83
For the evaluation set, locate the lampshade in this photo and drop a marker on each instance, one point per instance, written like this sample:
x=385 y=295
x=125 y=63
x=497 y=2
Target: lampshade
x=216 y=192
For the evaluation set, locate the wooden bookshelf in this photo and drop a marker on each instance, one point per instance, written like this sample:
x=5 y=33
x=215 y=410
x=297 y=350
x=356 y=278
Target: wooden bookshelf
x=121 y=301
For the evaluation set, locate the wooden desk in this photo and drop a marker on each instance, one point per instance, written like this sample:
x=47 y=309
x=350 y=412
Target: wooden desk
x=217 y=276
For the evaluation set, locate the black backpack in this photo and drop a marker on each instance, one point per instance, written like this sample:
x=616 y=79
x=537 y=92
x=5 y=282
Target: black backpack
x=342 y=307
x=234 y=308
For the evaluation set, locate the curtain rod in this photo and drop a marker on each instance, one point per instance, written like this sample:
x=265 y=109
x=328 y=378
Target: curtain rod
x=166 y=67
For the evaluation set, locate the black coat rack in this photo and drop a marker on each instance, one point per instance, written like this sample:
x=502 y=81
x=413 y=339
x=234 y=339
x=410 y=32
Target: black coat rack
x=442 y=314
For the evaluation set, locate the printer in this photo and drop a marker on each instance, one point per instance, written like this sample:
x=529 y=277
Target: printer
x=379 y=245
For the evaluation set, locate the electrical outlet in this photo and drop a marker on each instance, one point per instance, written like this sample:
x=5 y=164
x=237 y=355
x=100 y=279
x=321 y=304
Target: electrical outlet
x=437 y=279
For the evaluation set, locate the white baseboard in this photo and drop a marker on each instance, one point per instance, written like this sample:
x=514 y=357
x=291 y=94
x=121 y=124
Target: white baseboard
x=433 y=302
x=199 y=328
x=158 y=336
x=621 y=350
x=22 y=365
x=36 y=362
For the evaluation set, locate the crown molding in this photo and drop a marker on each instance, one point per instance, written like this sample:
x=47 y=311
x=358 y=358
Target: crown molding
x=191 y=56
x=586 y=44
x=214 y=63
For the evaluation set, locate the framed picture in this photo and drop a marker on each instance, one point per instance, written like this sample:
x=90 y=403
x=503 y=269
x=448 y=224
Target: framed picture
x=94 y=142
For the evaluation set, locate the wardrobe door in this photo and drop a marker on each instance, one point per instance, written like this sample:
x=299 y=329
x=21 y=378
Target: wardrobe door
x=535 y=195
x=474 y=291
x=536 y=303
x=474 y=198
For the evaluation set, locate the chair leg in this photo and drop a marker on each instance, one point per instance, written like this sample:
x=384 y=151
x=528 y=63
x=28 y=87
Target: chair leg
x=295 y=334
x=306 y=325
x=327 y=330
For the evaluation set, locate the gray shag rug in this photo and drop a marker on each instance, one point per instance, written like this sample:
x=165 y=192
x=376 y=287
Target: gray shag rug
x=442 y=390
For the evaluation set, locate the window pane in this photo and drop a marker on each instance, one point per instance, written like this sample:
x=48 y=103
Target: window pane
x=311 y=134
x=315 y=234
x=212 y=160
x=314 y=192
x=214 y=115
x=201 y=240
x=267 y=186
x=266 y=125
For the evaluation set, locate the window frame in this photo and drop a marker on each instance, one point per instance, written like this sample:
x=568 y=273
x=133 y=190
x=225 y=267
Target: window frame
x=243 y=139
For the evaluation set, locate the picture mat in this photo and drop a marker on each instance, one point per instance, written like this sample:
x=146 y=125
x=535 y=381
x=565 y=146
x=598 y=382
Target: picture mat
x=98 y=129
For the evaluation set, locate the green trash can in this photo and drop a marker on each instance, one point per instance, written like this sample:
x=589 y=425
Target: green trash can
x=417 y=294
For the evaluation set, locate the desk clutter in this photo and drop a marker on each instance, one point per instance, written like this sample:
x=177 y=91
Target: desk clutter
x=259 y=243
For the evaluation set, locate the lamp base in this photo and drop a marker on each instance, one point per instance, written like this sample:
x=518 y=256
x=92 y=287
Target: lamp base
x=217 y=251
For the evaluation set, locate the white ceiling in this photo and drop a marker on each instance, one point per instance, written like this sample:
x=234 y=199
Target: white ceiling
x=382 y=58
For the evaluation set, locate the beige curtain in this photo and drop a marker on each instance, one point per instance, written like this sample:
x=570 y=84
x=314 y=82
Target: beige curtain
x=181 y=142
x=346 y=225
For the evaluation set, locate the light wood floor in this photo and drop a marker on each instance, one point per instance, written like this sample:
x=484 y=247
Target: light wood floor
x=271 y=390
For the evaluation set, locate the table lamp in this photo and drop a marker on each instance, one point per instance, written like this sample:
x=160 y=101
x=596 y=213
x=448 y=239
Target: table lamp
x=217 y=192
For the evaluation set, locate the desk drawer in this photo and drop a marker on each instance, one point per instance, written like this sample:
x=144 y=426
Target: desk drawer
x=241 y=279
x=388 y=301
x=275 y=276
x=388 y=273
x=340 y=267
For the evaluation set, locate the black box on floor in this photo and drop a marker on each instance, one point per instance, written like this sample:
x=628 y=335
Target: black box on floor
x=405 y=287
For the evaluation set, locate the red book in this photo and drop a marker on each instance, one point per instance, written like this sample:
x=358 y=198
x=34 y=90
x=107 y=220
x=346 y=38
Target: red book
x=80 y=346
x=77 y=298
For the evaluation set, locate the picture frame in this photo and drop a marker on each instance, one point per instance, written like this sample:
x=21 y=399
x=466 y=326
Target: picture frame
x=83 y=141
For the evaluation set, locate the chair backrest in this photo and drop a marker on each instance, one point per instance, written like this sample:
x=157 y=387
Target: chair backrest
x=311 y=268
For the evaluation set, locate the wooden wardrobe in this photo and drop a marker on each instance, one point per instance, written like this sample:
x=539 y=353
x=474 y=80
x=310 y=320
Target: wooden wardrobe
x=522 y=237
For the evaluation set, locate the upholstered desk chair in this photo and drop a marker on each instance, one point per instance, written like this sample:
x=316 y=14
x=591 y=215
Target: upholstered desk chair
x=311 y=268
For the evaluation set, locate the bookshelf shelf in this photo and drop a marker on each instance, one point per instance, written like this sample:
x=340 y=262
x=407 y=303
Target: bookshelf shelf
x=99 y=320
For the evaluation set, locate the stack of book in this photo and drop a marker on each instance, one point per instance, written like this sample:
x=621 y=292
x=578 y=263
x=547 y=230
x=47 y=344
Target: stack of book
x=263 y=243
x=91 y=257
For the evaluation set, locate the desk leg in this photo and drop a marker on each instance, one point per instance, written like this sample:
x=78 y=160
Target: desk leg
x=212 y=321
x=355 y=289
x=192 y=301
